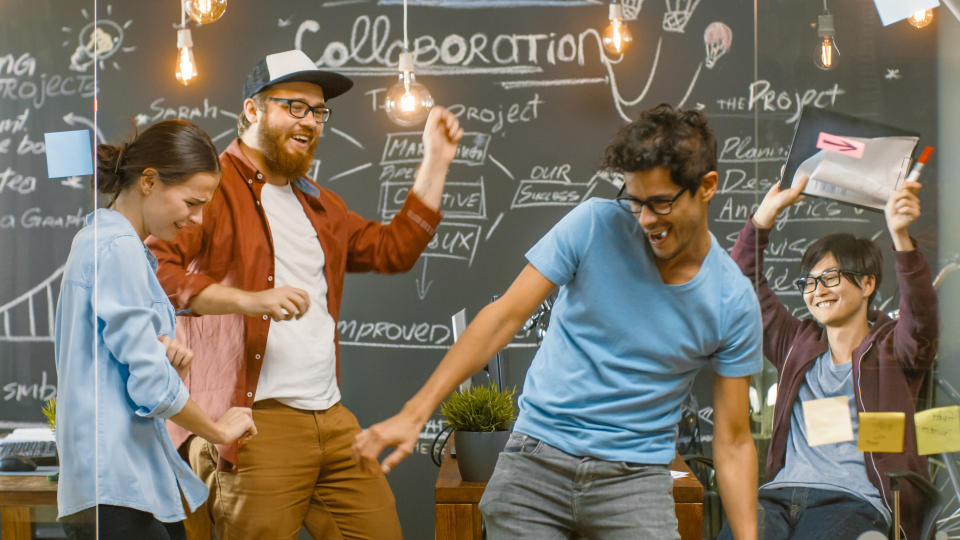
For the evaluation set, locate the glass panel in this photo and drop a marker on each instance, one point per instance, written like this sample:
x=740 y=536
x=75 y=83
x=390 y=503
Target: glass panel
x=48 y=81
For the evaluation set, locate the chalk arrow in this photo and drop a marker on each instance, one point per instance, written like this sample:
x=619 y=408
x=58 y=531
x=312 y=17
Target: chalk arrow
x=72 y=119
x=422 y=284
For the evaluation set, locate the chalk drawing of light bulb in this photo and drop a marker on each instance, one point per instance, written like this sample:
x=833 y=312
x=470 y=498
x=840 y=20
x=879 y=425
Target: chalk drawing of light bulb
x=717 y=38
x=98 y=41
x=677 y=14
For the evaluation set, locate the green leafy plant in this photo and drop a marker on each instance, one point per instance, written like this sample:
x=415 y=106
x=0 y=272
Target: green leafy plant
x=50 y=412
x=480 y=408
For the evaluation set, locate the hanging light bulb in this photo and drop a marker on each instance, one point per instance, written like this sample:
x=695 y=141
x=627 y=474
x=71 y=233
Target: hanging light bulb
x=921 y=18
x=186 y=65
x=826 y=52
x=616 y=36
x=407 y=102
x=205 y=11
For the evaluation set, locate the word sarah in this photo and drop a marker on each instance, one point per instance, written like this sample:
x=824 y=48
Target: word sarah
x=159 y=111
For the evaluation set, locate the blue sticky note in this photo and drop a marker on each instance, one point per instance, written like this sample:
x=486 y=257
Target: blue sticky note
x=892 y=11
x=68 y=153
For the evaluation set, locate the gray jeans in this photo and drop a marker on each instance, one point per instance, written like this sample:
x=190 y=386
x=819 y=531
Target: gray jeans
x=538 y=491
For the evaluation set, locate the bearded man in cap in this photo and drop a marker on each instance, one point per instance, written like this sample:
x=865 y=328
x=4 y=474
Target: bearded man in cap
x=258 y=286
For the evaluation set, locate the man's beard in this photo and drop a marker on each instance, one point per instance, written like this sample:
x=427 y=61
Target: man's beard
x=281 y=161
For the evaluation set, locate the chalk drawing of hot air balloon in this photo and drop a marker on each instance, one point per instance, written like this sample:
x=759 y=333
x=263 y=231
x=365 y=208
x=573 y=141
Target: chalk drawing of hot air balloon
x=717 y=37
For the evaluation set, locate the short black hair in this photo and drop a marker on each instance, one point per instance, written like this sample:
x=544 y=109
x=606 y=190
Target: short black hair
x=852 y=253
x=664 y=136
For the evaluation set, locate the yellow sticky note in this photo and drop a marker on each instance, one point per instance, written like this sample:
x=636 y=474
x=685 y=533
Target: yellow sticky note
x=938 y=430
x=827 y=420
x=881 y=432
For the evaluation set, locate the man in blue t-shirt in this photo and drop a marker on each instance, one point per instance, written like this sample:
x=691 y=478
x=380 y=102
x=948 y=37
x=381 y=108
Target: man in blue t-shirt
x=647 y=298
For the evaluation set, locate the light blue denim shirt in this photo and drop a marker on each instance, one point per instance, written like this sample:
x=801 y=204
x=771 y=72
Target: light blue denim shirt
x=116 y=385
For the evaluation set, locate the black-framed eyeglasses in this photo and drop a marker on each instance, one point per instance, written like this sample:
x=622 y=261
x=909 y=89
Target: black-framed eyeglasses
x=658 y=205
x=829 y=278
x=299 y=109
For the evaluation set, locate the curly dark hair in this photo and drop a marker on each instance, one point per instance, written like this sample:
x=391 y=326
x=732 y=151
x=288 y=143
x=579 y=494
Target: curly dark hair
x=665 y=136
x=853 y=254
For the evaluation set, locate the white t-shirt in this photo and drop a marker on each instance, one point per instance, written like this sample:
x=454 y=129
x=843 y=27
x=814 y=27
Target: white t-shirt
x=299 y=364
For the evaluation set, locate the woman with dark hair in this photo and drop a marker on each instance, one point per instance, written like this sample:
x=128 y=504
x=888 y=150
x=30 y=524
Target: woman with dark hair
x=117 y=361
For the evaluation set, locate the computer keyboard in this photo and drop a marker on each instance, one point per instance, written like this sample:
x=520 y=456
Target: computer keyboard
x=30 y=449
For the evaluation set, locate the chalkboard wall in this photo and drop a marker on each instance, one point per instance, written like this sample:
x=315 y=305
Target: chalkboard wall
x=538 y=100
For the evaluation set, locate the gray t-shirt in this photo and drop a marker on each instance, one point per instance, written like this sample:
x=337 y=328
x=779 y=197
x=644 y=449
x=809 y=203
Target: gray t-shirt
x=835 y=467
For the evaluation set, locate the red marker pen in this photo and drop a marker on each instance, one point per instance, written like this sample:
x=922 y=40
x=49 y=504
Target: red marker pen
x=914 y=175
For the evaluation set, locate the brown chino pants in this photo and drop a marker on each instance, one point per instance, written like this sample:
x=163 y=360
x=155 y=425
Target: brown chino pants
x=297 y=471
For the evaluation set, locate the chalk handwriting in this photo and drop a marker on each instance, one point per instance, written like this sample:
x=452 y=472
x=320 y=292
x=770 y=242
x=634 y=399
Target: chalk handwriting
x=394 y=334
x=454 y=241
x=408 y=148
x=761 y=96
x=12 y=181
x=40 y=391
x=34 y=218
x=466 y=200
x=49 y=86
x=159 y=110
x=740 y=149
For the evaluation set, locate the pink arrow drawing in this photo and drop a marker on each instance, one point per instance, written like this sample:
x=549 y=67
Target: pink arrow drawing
x=835 y=143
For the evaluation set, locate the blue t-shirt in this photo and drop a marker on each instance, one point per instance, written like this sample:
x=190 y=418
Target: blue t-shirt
x=623 y=348
x=833 y=467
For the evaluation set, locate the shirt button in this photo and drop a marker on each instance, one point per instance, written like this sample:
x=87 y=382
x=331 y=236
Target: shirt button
x=259 y=176
x=257 y=356
x=269 y=278
x=265 y=317
x=249 y=394
x=258 y=203
x=249 y=180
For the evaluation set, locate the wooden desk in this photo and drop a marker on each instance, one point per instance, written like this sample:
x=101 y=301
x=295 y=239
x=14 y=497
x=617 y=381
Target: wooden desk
x=458 y=517
x=17 y=495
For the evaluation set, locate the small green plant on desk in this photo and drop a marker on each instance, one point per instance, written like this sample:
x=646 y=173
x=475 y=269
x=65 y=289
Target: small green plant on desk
x=480 y=409
x=49 y=410
x=481 y=418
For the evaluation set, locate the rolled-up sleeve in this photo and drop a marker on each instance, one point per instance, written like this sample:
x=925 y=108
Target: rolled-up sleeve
x=131 y=325
x=395 y=247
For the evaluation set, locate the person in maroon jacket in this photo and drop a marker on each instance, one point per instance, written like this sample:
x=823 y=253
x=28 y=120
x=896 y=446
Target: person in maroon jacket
x=877 y=363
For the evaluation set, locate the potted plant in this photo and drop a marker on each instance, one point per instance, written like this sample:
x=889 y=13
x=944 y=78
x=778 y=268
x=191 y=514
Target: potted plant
x=481 y=418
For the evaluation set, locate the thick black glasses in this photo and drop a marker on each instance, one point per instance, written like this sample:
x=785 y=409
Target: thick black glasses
x=658 y=205
x=299 y=109
x=829 y=278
